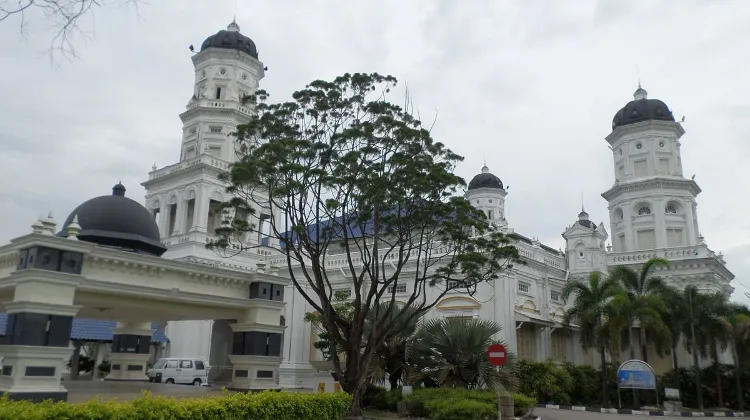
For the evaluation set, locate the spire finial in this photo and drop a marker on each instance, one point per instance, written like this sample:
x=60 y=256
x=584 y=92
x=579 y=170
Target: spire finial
x=74 y=229
x=638 y=74
x=485 y=169
x=640 y=93
x=583 y=209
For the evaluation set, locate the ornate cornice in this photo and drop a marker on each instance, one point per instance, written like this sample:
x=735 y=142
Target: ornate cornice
x=213 y=112
x=656 y=183
x=645 y=127
x=228 y=54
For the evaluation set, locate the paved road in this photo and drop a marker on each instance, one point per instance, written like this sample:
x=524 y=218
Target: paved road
x=552 y=414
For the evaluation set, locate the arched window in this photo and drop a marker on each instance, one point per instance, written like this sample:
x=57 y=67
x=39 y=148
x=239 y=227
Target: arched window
x=644 y=210
x=671 y=208
x=618 y=214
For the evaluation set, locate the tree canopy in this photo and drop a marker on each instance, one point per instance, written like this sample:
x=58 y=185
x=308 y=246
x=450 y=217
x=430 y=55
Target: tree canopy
x=342 y=174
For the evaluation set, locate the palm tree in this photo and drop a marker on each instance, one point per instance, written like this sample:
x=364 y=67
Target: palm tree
x=452 y=352
x=673 y=317
x=737 y=324
x=391 y=353
x=702 y=314
x=716 y=338
x=590 y=309
x=642 y=302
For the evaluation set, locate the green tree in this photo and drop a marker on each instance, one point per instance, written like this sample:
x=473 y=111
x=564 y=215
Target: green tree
x=702 y=314
x=344 y=307
x=391 y=352
x=641 y=301
x=452 y=352
x=590 y=310
x=737 y=324
x=673 y=316
x=716 y=338
x=345 y=175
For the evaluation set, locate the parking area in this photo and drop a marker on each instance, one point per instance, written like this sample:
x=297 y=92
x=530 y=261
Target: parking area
x=86 y=390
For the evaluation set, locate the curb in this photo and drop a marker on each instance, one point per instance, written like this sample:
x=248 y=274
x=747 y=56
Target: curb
x=658 y=413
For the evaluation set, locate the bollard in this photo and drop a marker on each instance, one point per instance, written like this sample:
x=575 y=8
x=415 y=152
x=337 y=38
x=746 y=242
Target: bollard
x=506 y=406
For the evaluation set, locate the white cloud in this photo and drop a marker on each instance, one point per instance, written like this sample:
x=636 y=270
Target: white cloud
x=529 y=87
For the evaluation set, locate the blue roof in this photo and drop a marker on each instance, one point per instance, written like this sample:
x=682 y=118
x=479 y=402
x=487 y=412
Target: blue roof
x=94 y=330
x=339 y=227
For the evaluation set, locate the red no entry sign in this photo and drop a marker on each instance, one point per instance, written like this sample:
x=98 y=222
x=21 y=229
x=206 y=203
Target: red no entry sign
x=497 y=355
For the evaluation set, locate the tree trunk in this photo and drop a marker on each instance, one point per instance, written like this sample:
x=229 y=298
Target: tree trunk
x=632 y=342
x=75 y=361
x=644 y=344
x=738 y=377
x=717 y=377
x=675 y=366
x=605 y=392
x=394 y=377
x=697 y=369
x=355 y=410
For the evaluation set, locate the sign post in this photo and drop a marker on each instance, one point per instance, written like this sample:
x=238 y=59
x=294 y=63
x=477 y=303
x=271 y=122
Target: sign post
x=497 y=356
x=636 y=374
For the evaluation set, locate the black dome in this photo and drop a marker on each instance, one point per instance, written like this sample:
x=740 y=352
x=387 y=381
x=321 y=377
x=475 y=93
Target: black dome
x=115 y=220
x=485 y=180
x=642 y=109
x=232 y=39
x=583 y=219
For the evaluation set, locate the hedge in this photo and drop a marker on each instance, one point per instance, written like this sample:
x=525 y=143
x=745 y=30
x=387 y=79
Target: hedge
x=238 y=406
x=454 y=409
x=427 y=402
x=580 y=385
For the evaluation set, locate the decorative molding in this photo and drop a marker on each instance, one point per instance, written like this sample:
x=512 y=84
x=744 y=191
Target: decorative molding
x=41 y=308
x=655 y=184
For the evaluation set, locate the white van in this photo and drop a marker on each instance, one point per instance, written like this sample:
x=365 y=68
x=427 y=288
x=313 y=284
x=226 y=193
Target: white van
x=179 y=370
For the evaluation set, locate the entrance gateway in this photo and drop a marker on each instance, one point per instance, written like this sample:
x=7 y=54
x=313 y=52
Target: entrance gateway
x=105 y=264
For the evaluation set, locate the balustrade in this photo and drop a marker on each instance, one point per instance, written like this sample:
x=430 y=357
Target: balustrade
x=680 y=253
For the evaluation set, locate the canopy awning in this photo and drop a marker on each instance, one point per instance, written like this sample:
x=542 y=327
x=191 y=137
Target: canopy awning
x=523 y=317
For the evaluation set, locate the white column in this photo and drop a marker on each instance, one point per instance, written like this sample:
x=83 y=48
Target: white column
x=163 y=218
x=179 y=222
x=200 y=215
x=660 y=223
x=689 y=225
x=627 y=218
x=694 y=222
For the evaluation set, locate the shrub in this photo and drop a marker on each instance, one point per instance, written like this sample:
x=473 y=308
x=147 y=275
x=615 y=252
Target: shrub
x=420 y=401
x=260 y=406
x=380 y=398
x=104 y=368
x=545 y=381
x=461 y=409
x=522 y=404
x=374 y=397
x=416 y=402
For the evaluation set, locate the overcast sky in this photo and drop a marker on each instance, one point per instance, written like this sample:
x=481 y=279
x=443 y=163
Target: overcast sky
x=528 y=87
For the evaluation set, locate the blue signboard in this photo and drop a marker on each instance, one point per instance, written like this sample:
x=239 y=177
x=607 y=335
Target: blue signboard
x=636 y=374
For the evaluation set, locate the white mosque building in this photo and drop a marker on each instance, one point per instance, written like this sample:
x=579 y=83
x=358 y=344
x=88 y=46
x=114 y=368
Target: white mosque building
x=652 y=213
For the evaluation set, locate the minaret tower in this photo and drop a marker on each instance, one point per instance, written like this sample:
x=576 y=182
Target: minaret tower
x=185 y=196
x=486 y=193
x=652 y=206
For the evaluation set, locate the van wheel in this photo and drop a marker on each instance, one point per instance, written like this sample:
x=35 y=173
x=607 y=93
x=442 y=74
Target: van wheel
x=197 y=382
x=169 y=381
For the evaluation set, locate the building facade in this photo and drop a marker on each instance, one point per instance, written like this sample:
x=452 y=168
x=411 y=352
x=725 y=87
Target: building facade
x=652 y=210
